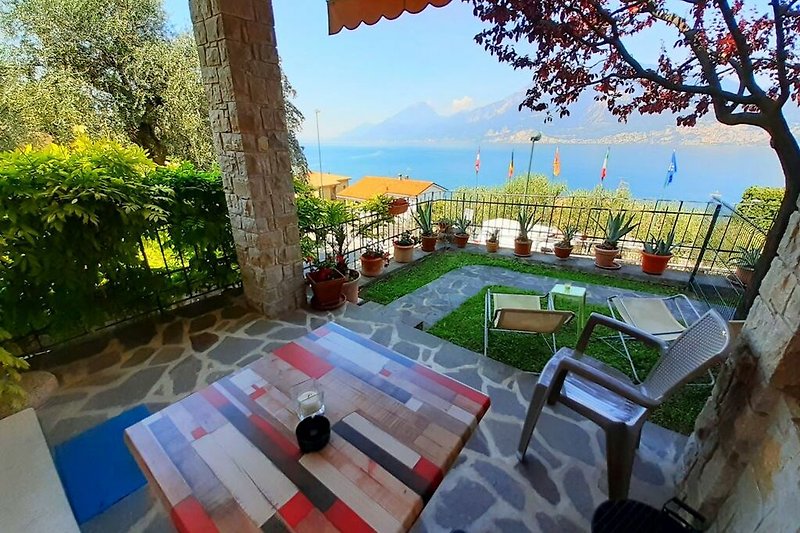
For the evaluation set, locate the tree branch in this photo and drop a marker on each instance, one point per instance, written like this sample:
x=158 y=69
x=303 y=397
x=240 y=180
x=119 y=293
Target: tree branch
x=742 y=49
x=714 y=92
x=780 y=53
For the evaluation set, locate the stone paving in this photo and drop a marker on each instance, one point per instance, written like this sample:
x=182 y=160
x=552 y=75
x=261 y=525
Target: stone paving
x=429 y=304
x=557 y=488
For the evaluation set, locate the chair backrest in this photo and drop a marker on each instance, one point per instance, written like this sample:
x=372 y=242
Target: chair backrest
x=702 y=344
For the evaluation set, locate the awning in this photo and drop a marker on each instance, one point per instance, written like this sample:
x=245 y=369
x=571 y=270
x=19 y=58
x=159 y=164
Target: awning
x=351 y=13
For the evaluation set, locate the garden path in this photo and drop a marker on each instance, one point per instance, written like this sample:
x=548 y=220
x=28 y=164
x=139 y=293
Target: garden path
x=432 y=302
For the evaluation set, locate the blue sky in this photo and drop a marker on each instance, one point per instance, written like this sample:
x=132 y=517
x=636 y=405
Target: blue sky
x=369 y=74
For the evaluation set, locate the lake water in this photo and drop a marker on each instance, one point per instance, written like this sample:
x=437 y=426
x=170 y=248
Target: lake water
x=702 y=170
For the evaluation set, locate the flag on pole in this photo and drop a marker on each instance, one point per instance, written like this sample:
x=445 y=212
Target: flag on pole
x=478 y=161
x=672 y=169
x=604 y=170
x=511 y=166
x=556 y=164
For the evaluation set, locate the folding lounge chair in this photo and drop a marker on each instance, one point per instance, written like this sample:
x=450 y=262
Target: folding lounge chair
x=521 y=313
x=653 y=316
x=609 y=399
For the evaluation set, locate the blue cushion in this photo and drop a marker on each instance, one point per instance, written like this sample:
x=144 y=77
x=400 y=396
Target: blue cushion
x=96 y=468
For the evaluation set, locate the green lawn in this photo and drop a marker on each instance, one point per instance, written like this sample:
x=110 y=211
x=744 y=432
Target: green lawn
x=464 y=326
x=419 y=274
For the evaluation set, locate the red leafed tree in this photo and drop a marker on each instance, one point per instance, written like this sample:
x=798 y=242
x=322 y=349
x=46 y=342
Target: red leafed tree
x=739 y=62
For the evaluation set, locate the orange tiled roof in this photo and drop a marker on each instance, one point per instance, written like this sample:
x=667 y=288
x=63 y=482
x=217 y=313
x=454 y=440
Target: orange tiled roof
x=328 y=180
x=371 y=186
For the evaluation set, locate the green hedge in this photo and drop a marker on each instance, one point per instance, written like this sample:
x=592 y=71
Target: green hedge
x=82 y=228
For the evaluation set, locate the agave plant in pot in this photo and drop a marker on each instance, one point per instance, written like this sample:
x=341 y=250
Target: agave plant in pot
x=373 y=260
x=745 y=261
x=326 y=284
x=656 y=254
x=563 y=248
x=522 y=244
x=404 y=247
x=616 y=228
x=424 y=219
x=461 y=231
x=493 y=241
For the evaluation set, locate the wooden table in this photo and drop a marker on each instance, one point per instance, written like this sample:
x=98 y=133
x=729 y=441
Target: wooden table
x=226 y=457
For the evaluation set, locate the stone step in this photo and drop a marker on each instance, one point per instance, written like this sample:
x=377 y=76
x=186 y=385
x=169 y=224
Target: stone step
x=383 y=326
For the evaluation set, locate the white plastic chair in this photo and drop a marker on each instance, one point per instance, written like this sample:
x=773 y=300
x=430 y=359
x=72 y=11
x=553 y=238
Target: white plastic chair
x=609 y=399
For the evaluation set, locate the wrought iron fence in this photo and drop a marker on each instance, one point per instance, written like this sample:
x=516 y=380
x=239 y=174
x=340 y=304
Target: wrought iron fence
x=708 y=236
x=715 y=277
x=167 y=277
x=367 y=230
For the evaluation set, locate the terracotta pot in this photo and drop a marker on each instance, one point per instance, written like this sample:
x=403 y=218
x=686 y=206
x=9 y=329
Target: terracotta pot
x=328 y=293
x=562 y=252
x=429 y=243
x=371 y=266
x=398 y=206
x=461 y=240
x=403 y=254
x=522 y=248
x=605 y=258
x=654 y=264
x=745 y=275
x=492 y=246
x=350 y=288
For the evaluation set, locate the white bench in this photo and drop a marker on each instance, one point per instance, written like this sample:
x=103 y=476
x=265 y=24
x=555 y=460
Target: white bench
x=32 y=499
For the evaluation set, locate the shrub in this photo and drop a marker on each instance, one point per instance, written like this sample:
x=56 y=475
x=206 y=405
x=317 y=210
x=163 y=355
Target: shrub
x=72 y=219
x=197 y=223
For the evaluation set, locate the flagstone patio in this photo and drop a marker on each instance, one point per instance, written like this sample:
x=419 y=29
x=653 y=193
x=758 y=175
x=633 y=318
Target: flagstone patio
x=487 y=490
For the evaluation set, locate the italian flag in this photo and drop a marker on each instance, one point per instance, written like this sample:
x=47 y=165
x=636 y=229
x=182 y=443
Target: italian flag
x=604 y=170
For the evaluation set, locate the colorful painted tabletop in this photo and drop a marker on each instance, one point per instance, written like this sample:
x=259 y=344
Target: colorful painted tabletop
x=226 y=458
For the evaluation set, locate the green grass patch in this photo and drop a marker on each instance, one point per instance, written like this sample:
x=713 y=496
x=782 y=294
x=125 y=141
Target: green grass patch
x=464 y=327
x=419 y=274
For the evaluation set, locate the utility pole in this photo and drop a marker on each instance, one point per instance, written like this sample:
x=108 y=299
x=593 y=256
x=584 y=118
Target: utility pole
x=319 y=154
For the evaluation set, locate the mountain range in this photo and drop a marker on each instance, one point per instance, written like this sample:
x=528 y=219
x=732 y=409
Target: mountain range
x=589 y=122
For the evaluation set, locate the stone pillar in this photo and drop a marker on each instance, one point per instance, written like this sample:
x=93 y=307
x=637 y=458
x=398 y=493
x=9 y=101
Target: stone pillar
x=742 y=465
x=242 y=77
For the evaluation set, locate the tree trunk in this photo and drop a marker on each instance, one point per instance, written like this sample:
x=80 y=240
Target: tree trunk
x=785 y=145
x=145 y=136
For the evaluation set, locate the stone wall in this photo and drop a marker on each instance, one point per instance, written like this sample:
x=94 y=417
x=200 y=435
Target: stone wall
x=742 y=467
x=239 y=60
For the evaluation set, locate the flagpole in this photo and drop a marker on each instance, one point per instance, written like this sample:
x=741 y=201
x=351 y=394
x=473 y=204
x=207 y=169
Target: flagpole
x=536 y=137
x=477 y=165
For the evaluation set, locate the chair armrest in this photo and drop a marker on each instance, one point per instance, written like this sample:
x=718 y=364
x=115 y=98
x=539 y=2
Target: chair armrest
x=596 y=319
x=596 y=375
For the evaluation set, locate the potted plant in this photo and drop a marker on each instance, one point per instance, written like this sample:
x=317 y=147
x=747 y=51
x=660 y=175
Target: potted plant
x=563 y=248
x=607 y=251
x=522 y=244
x=350 y=286
x=424 y=219
x=493 y=241
x=745 y=260
x=337 y=216
x=656 y=254
x=444 y=225
x=373 y=260
x=398 y=206
x=404 y=247
x=460 y=227
x=326 y=284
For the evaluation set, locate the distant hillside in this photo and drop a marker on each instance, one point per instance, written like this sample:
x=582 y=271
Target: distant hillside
x=589 y=122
